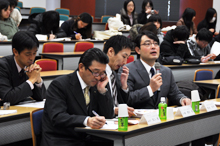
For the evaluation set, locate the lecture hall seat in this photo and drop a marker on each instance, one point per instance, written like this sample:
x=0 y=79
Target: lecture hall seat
x=83 y=46
x=203 y=74
x=47 y=64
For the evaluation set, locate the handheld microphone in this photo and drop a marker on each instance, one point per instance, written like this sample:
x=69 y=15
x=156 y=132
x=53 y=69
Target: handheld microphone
x=157 y=67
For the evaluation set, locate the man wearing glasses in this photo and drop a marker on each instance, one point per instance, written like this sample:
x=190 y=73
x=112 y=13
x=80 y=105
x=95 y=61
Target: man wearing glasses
x=145 y=86
x=70 y=100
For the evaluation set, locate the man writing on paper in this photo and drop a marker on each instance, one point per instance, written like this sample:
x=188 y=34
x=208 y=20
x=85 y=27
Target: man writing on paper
x=19 y=76
x=144 y=84
x=118 y=49
x=71 y=100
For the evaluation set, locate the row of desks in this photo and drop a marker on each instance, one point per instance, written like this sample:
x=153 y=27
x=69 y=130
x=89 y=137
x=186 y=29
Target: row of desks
x=15 y=127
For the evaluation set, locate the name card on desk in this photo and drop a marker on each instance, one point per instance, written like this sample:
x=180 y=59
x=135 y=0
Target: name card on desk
x=185 y=111
x=150 y=119
x=208 y=106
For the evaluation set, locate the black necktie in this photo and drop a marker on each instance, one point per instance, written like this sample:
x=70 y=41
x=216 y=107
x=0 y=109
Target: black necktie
x=22 y=76
x=114 y=90
x=155 y=93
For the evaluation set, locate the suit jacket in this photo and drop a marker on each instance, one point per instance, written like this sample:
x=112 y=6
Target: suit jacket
x=10 y=88
x=65 y=109
x=138 y=81
x=121 y=95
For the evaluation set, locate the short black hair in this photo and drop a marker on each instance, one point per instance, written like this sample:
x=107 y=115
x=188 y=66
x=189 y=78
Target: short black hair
x=204 y=35
x=91 y=55
x=149 y=34
x=150 y=26
x=3 y=6
x=24 y=40
x=117 y=42
x=181 y=33
x=144 y=4
x=126 y=3
x=155 y=18
x=51 y=20
x=13 y=3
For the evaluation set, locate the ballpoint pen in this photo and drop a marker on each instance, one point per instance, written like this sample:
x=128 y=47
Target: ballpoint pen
x=96 y=114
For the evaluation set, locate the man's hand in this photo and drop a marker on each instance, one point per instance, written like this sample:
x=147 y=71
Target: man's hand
x=186 y=101
x=124 y=77
x=101 y=85
x=130 y=111
x=33 y=72
x=156 y=82
x=96 y=122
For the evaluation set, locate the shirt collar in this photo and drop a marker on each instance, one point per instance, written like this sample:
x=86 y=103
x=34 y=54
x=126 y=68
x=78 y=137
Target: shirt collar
x=146 y=66
x=82 y=83
x=18 y=67
x=108 y=70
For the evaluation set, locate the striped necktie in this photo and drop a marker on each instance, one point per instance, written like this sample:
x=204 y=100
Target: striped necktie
x=114 y=90
x=86 y=95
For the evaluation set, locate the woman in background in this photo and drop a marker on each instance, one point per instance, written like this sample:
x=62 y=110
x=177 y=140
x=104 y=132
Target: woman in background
x=210 y=21
x=128 y=14
x=187 y=19
x=81 y=28
x=46 y=23
x=147 y=10
x=15 y=14
x=7 y=25
x=156 y=19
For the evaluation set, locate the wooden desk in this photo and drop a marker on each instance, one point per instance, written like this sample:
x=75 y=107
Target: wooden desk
x=211 y=84
x=15 y=127
x=167 y=133
x=48 y=76
x=186 y=71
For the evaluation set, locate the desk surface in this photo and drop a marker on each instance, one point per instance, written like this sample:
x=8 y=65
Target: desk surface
x=47 y=74
x=213 y=81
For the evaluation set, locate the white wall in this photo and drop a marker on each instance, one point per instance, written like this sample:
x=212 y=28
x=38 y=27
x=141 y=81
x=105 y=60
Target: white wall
x=48 y=4
x=216 y=6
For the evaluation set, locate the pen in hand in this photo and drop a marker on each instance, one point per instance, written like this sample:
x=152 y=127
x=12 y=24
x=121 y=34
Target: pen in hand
x=96 y=114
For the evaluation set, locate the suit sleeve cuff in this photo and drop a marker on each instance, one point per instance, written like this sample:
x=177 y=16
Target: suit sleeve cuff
x=39 y=85
x=30 y=84
x=85 y=121
x=126 y=91
x=182 y=99
x=150 y=91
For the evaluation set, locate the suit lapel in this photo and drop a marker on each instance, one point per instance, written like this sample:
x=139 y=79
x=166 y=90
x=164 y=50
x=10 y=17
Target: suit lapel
x=77 y=92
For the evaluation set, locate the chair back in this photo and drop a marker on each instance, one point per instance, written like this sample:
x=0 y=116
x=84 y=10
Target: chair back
x=52 y=47
x=36 y=126
x=63 y=11
x=64 y=17
x=104 y=18
x=217 y=92
x=47 y=64
x=83 y=46
x=203 y=74
x=37 y=10
x=130 y=59
x=106 y=26
x=20 y=4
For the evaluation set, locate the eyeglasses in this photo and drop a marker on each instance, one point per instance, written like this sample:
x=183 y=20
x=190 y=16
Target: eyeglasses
x=148 y=44
x=96 y=74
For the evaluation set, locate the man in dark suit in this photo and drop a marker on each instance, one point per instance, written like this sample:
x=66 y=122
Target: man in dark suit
x=15 y=84
x=70 y=105
x=118 y=49
x=143 y=89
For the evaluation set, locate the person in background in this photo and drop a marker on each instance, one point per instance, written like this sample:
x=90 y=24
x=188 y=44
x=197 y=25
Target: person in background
x=19 y=76
x=72 y=98
x=142 y=81
x=15 y=14
x=7 y=25
x=133 y=32
x=187 y=19
x=81 y=28
x=209 y=22
x=147 y=10
x=118 y=49
x=156 y=19
x=200 y=47
x=128 y=14
x=46 y=23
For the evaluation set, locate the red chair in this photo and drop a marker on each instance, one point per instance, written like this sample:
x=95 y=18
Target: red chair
x=83 y=46
x=130 y=59
x=52 y=47
x=47 y=64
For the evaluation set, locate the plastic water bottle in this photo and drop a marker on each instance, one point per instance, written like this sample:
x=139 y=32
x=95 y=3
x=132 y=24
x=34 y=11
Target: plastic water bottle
x=162 y=109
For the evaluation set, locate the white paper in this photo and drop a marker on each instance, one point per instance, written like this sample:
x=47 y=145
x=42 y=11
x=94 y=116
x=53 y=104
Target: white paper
x=150 y=119
x=6 y=112
x=217 y=103
x=39 y=104
x=185 y=111
x=110 y=125
x=141 y=112
x=208 y=106
x=41 y=37
x=215 y=48
x=61 y=39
